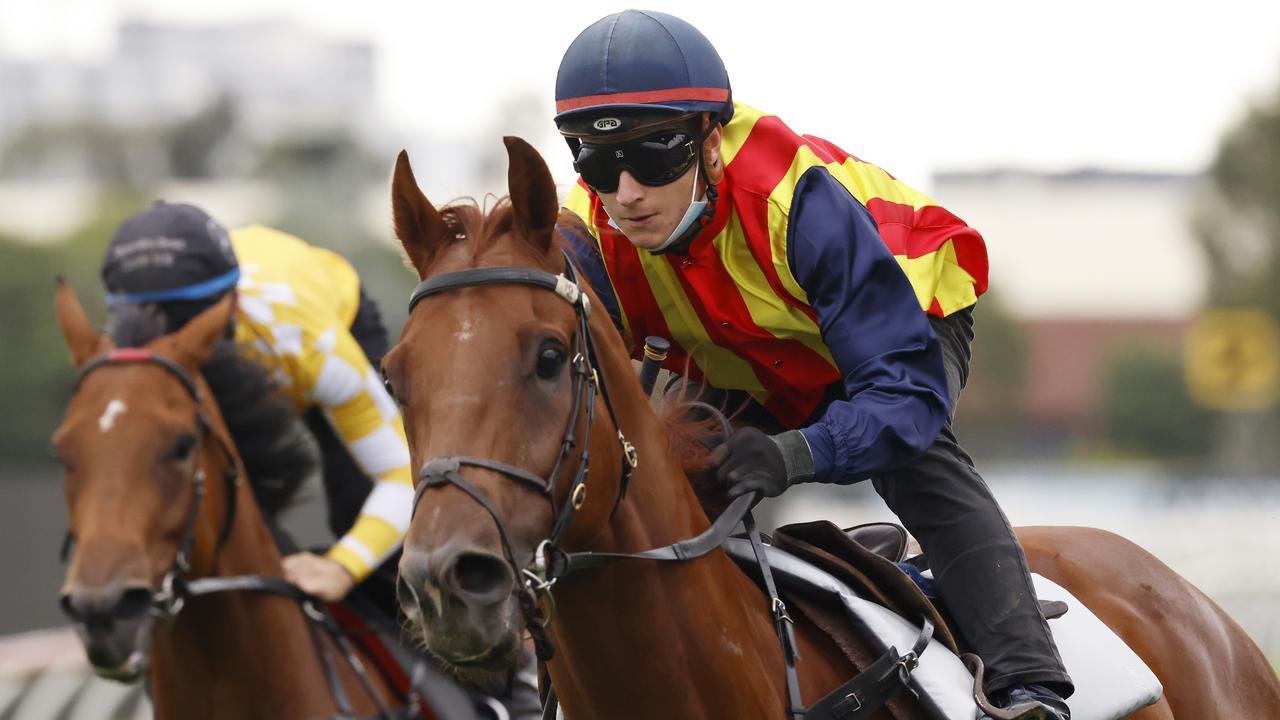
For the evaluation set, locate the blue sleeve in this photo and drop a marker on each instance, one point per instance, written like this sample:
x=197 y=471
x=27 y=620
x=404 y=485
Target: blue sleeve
x=871 y=321
x=582 y=248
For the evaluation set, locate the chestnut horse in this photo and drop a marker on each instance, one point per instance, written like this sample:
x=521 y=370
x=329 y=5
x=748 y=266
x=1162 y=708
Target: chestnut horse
x=487 y=372
x=156 y=505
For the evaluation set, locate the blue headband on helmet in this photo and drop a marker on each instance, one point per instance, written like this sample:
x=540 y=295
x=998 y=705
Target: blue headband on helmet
x=199 y=291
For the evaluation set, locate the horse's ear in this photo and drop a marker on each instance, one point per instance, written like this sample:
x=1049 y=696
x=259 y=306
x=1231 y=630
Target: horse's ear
x=193 y=343
x=418 y=224
x=82 y=338
x=533 y=192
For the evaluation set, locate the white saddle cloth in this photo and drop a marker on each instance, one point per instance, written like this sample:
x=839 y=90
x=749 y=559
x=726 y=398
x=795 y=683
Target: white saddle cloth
x=1111 y=681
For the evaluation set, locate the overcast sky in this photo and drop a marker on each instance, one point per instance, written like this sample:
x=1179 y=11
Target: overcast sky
x=915 y=87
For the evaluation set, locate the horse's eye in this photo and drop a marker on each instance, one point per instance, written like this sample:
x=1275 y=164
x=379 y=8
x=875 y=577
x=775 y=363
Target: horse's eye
x=550 y=360
x=386 y=385
x=182 y=449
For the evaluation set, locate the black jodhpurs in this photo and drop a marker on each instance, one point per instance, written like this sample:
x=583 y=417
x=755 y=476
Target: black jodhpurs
x=979 y=568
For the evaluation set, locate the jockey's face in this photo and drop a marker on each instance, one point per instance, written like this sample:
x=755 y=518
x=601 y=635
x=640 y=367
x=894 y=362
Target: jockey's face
x=648 y=214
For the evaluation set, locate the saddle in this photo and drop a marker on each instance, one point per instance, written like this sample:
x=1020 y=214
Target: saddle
x=865 y=558
x=871 y=560
x=857 y=586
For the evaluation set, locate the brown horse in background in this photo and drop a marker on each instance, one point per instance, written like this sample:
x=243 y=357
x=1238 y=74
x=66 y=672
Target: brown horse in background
x=484 y=371
x=134 y=439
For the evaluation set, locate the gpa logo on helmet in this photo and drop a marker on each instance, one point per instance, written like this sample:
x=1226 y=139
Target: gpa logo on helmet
x=607 y=124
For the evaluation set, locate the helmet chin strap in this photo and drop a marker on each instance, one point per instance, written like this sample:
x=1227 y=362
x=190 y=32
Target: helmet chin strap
x=691 y=214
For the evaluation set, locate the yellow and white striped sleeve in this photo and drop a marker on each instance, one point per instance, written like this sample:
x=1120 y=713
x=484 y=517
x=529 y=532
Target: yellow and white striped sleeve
x=367 y=420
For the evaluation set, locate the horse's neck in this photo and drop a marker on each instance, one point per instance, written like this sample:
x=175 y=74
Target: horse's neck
x=624 y=630
x=234 y=653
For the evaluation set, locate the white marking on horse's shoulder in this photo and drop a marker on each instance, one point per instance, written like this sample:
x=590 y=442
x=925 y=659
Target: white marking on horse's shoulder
x=730 y=645
x=108 y=419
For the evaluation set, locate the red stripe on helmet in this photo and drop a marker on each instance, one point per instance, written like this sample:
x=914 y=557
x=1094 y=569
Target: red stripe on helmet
x=644 y=98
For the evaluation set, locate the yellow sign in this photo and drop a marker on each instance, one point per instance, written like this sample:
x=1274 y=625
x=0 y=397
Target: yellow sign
x=1232 y=360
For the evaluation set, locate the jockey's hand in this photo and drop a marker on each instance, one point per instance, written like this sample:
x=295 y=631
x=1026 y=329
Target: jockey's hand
x=318 y=575
x=751 y=461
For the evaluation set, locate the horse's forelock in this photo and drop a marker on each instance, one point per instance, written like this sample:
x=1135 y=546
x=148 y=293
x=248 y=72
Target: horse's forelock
x=483 y=228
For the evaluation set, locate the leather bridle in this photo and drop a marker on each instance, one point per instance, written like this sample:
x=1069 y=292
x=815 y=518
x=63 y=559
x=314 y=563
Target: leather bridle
x=549 y=562
x=169 y=599
x=176 y=589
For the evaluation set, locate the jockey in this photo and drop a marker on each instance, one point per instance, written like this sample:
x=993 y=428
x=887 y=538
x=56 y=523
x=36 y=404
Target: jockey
x=831 y=297
x=301 y=313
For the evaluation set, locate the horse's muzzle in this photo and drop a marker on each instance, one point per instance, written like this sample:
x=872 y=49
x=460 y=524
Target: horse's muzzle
x=113 y=622
x=462 y=604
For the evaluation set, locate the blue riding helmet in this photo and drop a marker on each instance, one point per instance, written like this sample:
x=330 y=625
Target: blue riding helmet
x=629 y=66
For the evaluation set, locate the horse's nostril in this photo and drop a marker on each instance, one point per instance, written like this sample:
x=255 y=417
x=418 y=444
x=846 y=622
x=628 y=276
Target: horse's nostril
x=405 y=595
x=481 y=576
x=69 y=608
x=134 y=603
x=101 y=607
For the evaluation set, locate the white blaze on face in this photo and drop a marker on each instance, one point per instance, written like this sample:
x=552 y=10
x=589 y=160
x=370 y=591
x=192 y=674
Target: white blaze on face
x=466 y=332
x=108 y=419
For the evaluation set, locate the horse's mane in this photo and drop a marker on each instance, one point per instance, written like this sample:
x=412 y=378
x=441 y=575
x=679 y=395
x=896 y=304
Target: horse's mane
x=688 y=430
x=276 y=452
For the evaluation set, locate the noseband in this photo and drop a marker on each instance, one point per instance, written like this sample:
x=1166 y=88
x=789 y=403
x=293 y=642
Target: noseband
x=549 y=562
x=168 y=601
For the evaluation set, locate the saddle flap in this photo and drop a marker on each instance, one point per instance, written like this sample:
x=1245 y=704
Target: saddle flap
x=875 y=577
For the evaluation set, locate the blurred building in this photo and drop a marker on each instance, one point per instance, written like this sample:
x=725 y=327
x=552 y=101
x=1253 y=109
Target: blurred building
x=1088 y=244
x=282 y=79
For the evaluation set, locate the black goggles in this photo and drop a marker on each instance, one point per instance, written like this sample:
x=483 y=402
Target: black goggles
x=654 y=160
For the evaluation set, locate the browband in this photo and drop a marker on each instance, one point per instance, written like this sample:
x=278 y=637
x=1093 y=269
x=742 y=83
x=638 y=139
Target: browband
x=559 y=284
x=137 y=356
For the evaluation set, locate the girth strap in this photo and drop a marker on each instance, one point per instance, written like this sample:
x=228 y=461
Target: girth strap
x=871 y=688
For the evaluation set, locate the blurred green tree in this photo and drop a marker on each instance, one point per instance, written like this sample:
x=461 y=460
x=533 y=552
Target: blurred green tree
x=194 y=143
x=37 y=369
x=1147 y=411
x=990 y=415
x=1237 y=223
x=1238 y=219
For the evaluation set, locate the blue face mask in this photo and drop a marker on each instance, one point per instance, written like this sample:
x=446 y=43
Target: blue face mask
x=696 y=208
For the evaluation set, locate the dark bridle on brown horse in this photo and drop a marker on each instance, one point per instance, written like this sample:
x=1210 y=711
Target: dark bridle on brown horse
x=166 y=598
x=174 y=589
x=863 y=693
x=549 y=561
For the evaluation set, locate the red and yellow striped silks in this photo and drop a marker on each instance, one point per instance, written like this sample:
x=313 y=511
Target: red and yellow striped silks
x=732 y=308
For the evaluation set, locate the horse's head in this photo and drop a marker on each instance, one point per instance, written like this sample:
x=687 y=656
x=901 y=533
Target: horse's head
x=133 y=444
x=491 y=368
